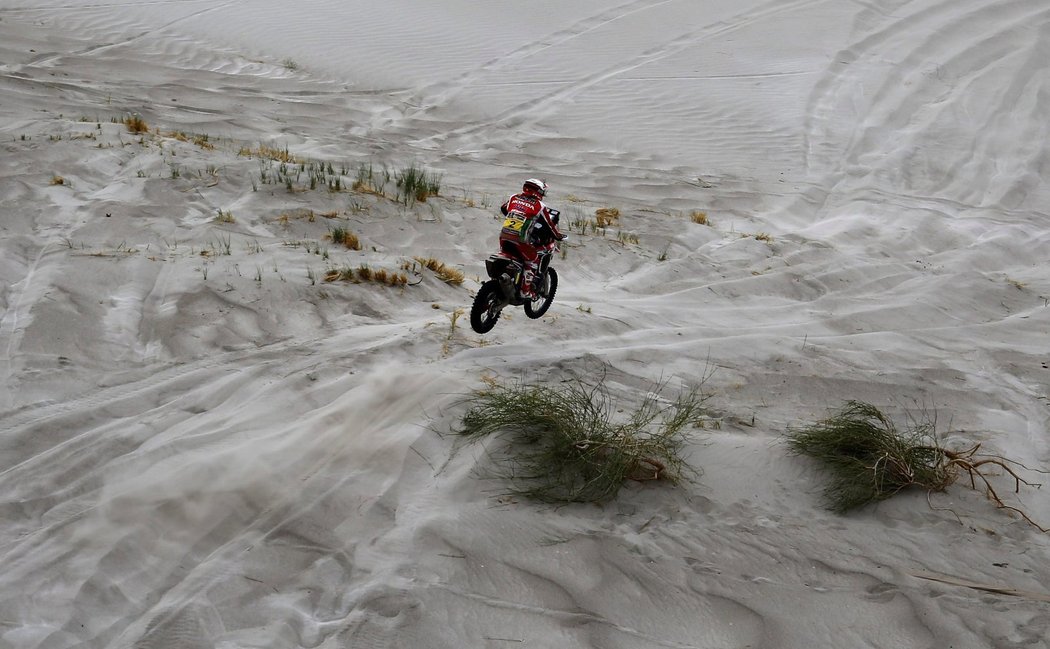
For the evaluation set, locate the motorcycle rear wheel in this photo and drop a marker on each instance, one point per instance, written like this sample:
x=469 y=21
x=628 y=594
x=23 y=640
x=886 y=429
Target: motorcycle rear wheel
x=544 y=296
x=488 y=304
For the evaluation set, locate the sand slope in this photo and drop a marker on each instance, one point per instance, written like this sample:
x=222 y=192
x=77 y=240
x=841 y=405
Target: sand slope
x=205 y=444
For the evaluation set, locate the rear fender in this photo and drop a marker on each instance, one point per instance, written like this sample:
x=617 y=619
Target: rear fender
x=497 y=265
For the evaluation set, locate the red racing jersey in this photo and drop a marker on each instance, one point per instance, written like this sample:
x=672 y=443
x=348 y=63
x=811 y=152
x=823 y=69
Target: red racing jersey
x=524 y=214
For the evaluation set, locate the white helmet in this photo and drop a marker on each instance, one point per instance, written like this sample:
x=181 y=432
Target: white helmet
x=535 y=186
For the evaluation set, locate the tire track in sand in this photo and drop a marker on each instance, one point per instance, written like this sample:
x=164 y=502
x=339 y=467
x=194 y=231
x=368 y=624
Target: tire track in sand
x=529 y=112
x=25 y=296
x=443 y=92
x=45 y=60
x=915 y=91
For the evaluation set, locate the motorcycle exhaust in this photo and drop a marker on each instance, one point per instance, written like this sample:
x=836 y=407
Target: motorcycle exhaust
x=506 y=284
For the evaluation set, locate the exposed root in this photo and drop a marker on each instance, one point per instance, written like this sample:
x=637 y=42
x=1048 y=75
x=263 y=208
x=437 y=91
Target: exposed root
x=974 y=464
x=640 y=473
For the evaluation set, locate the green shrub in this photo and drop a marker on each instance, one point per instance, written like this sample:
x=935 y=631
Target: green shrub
x=563 y=443
x=867 y=459
x=415 y=184
x=345 y=237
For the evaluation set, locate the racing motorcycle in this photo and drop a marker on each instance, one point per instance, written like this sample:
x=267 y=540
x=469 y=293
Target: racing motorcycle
x=506 y=271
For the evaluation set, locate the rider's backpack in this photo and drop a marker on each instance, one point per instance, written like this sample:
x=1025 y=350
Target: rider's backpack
x=518 y=225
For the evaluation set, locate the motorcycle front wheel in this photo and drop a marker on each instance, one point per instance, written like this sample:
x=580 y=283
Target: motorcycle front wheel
x=488 y=304
x=544 y=295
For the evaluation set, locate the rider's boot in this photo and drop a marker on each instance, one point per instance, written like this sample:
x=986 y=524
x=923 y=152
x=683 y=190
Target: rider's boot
x=528 y=290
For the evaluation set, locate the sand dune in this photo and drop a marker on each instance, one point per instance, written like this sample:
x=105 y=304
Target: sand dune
x=206 y=444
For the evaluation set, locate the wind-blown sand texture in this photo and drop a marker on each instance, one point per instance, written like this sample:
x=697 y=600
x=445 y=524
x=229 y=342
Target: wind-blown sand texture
x=204 y=444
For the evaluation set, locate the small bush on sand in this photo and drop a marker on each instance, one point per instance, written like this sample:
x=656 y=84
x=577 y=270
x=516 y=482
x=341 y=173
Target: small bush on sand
x=415 y=184
x=699 y=218
x=271 y=153
x=627 y=238
x=444 y=272
x=345 y=237
x=370 y=180
x=136 y=124
x=203 y=141
x=606 y=216
x=200 y=139
x=365 y=273
x=564 y=443
x=867 y=459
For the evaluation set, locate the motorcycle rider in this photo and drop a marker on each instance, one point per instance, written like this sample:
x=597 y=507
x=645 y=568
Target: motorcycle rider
x=528 y=224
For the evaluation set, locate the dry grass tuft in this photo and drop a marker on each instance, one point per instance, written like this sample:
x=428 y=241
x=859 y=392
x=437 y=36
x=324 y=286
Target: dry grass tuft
x=444 y=272
x=286 y=218
x=627 y=238
x=203 y=141
x=699 y=217
x=365 y=273
x=58 y=180
x=334 y=274
x=136 y=124
x=199 y=139
x=271 y=153
x=606 y=216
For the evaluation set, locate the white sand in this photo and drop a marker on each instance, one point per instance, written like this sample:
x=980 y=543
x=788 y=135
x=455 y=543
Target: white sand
x=202 y=449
